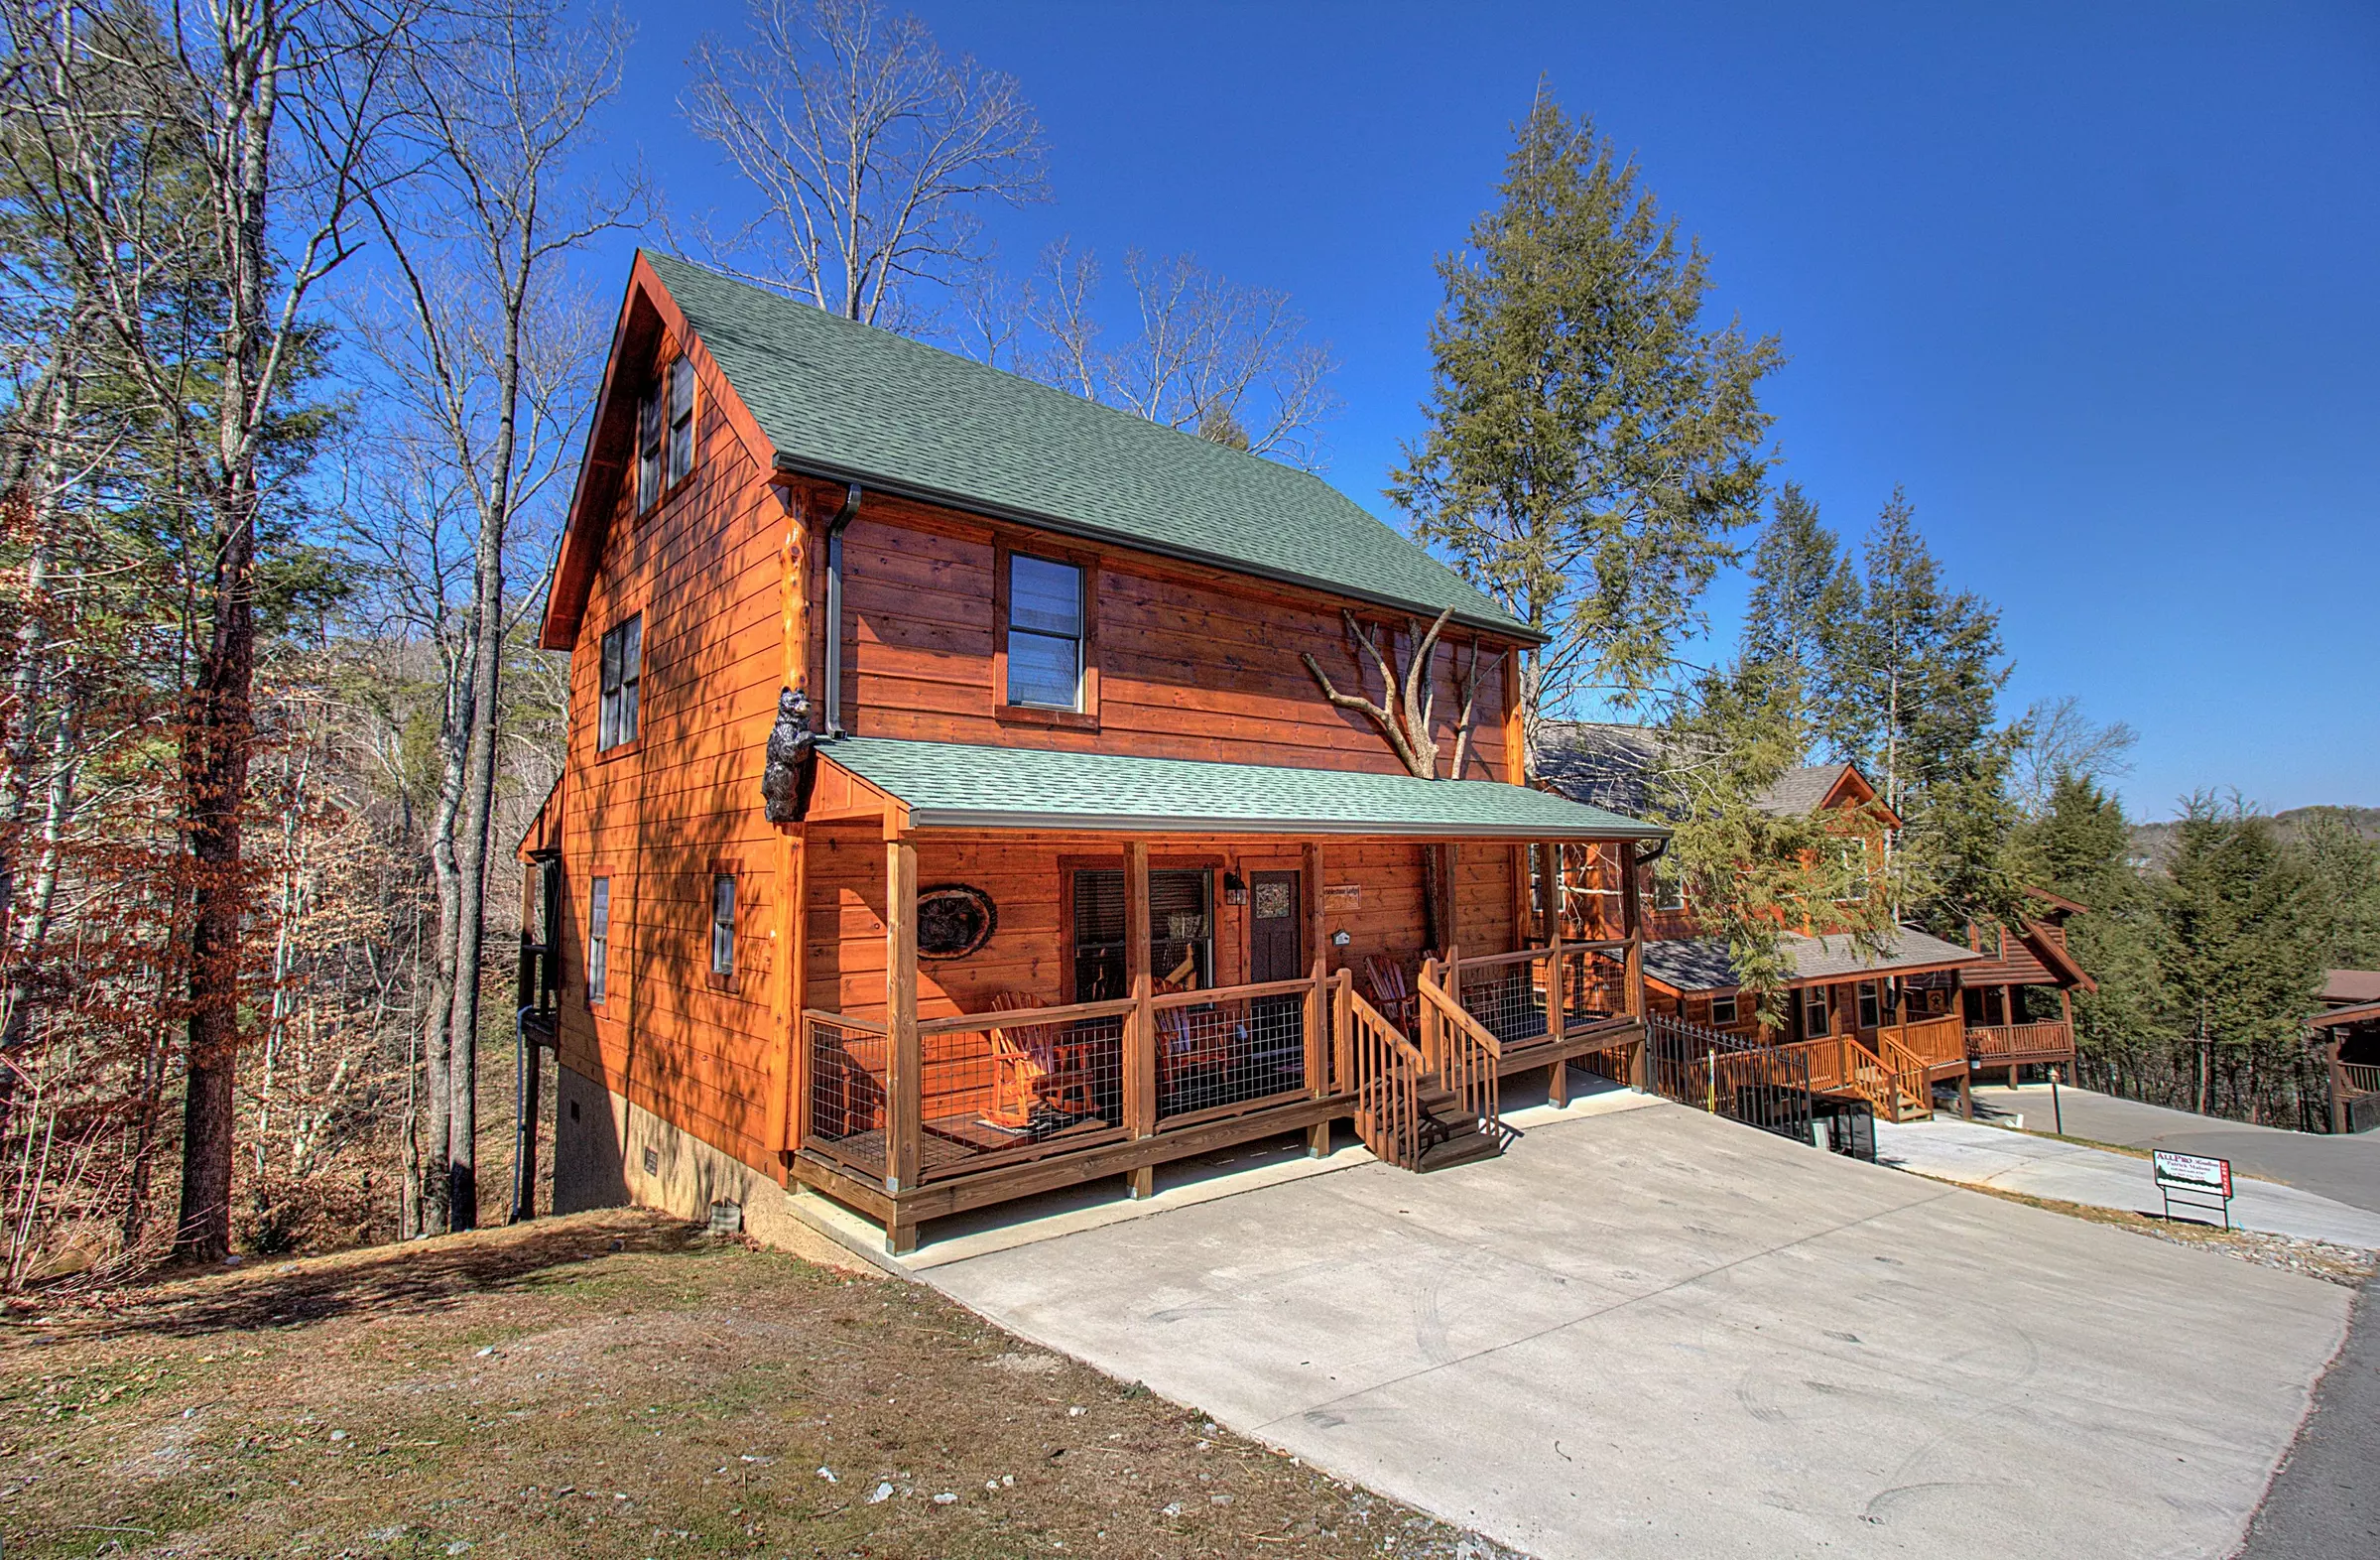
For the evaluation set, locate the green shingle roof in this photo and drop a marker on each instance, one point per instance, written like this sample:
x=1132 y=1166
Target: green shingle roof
x=856 y=403
x=954 y=785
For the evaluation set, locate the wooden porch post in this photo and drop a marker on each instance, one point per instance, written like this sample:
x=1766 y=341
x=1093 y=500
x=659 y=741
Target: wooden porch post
x=904 y=1064
x=1632 y=927
x=2339 y=1085
x=1558 y=1076
x=1140 y=1051
x=789 y=1082
x=1318 y=999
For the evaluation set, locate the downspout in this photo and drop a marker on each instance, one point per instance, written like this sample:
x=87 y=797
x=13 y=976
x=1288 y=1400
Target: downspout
x=833 y=693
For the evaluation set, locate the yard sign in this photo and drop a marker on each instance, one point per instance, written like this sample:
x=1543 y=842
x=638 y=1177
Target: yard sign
x=2202 y=1183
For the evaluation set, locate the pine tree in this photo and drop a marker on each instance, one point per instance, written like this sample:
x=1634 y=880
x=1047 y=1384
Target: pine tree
x=1802 y=588
x=2081 y=847
x=1591 y=444
x=2343 y=866
x=1914 y=675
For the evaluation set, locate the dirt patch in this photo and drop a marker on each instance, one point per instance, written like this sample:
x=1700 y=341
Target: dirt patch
x=617 y=1385
x=2340 y=1264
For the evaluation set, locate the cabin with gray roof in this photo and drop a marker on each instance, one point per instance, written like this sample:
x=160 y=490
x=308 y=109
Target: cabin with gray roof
x=954 y=806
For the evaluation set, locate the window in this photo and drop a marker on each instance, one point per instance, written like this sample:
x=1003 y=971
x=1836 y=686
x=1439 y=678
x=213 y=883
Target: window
x=722 y=924
x=649 y=431
x=1855 y=856
x=1814 y=1012
x=623 y=673
x=1180 y=933
x=681 y=419
x=1722 y=1009
x=598 y=937
x=1668 y=889
x=1045 y=633
x=1871 y=1006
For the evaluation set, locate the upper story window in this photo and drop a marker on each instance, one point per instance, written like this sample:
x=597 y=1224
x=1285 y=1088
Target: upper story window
x=1669 y=887
x=623 y=674
x=664 y=433
x=1854 y=856
x=1045 y=633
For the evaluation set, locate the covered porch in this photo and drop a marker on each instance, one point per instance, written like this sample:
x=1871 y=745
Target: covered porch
x=1023 y=969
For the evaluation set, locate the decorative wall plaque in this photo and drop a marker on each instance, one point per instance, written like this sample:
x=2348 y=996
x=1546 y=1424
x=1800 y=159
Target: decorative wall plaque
x=1342 y=896
x=953 y=920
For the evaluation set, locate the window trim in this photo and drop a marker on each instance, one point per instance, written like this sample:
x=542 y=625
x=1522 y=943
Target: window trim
x=671 y=444
x=1085 y=718
x=1820 y=1001
x=1870 y=997
x=1734 y=1009
x=1859 y=877
x=620 y=745
x=1660 y=879
x=1227 y=943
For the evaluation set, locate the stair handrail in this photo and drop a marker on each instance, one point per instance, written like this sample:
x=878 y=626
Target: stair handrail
x=1385 y=1070
x=1459 y=1048
x=1900 y=1072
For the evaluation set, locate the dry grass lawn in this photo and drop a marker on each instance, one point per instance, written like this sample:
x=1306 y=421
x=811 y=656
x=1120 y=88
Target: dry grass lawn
x=615 y=1384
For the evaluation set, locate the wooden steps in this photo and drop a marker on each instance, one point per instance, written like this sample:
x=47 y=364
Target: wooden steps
x=1449 y=1136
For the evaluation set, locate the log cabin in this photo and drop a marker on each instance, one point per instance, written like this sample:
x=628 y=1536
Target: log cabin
x=974 y=791
x=2346 y=1034
x=1883 y=1024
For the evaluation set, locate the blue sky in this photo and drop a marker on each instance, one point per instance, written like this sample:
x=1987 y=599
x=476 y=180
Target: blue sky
x=2097 y=285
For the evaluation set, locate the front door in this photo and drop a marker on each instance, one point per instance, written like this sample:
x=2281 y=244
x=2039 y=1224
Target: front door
x=1275 y=952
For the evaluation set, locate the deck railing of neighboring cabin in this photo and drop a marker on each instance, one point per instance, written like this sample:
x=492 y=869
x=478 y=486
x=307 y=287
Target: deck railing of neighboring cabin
x=2360 y=1078
x=1744 y=1078
x=2001 y=1044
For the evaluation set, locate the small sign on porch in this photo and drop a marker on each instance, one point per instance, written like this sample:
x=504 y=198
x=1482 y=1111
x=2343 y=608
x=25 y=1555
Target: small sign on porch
x=1342 y=896
x=2201 y=1183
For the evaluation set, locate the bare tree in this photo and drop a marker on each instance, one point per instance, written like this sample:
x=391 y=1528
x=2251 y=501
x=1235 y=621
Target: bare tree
x=1228 y=362
x=270 y=107
x=2055 y=740
x=490 y=369
x=870 y=150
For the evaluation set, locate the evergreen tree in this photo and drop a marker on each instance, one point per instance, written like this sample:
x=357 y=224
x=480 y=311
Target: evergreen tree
x=1592 y=443
x=1914 y=675
x=2343 y=866
x=2241 y=953
x=2080 y=847
x=1801 y=589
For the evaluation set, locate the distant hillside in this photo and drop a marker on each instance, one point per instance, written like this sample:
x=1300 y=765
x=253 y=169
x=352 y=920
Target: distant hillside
x=2151 y=841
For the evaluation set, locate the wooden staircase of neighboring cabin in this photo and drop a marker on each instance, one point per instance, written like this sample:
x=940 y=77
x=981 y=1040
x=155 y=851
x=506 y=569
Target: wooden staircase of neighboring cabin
x=1890 y=1079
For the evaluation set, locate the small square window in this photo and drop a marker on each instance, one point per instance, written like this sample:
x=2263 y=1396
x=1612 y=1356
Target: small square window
x=598 y=937
x=1045 y=633
x=1722 y=1009
x=722 y=924
x=622 y=681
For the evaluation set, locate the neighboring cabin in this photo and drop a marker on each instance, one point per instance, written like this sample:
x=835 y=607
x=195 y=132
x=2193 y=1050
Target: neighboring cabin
x=2347 y=1035
x=1944 y=1008
x=1071 y=862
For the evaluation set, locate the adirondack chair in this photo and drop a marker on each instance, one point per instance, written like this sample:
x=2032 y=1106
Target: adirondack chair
x=1392 y=993
x=1038 y=1079
x=1193 y=1048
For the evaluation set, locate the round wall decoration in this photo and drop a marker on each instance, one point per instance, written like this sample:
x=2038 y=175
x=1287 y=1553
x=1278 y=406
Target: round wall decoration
x=953 y=920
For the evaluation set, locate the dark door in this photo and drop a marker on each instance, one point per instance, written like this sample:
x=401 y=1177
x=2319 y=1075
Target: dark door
x=1275 y=950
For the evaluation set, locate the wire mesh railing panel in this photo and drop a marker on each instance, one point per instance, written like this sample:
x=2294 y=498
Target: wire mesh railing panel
x=1507 y=997
x=847 y=1089
x=1218 y=1050
x=1747 y=1080
x=1594 y=985
x=1015 y=1081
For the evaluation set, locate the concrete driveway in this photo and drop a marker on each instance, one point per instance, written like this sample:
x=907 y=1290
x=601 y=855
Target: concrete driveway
x=1658 y=1334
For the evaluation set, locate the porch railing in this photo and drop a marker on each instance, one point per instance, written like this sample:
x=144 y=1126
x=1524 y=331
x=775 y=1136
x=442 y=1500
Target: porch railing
x=1234 y=1049
x=1515 y=997
x=1741 y=1078
x=1935 y=1042
x=2359 y=1078
x=2003 y=1043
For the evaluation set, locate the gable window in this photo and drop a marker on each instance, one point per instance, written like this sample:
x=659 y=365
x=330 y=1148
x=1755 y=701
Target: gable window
x=1855 y=856
x=598 y=937
x=722 y=924
x=1723 y=1008
x=623 y=674
x=649 y=430
x=681 y=419
x=1045 y=633
x=1871 y=1006
x=1814 y=1012
x=1180 y=933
